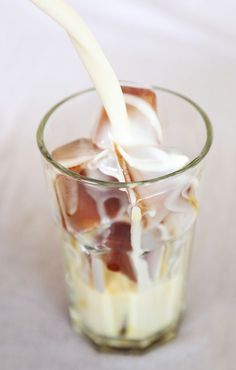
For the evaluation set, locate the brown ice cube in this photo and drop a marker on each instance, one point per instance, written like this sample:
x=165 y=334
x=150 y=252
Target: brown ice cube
x=100 y=135
x=111 y=202
x=84 y=206
x=146 y=94
x=117 y=238
x=76 y=152
x=112 y=206
x=78 y=208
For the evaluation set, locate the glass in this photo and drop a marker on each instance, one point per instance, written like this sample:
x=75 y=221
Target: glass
x=120 y=297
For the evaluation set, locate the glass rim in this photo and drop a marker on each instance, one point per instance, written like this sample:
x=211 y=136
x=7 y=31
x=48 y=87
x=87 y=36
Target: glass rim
x=43 y=149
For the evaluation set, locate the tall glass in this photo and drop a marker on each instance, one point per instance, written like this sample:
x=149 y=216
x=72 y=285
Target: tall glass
x=121 y=296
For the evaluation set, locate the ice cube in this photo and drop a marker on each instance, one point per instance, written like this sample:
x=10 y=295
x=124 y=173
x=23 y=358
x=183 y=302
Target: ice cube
x=78 y=208
x=75 y=152
x=86 y=206
x=101 y=135
x=146 y=94
x=112 y=206
x=112 y=203
x=118 y=239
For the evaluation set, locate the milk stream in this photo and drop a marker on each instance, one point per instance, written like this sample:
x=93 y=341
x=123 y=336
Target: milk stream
x=99 y=69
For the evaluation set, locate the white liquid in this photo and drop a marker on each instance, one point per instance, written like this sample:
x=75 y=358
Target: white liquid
x=105 y=312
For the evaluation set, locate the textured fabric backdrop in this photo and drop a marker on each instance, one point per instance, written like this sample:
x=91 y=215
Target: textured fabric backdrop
x=185 y=45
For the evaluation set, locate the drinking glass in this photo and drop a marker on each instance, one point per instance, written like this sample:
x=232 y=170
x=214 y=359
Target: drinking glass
x=120 y=296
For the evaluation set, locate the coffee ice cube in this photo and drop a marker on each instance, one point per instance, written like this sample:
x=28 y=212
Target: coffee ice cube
x=117 y=240
x=86 y=206
x=101 y=135
x=76 y=152
x=78 y=208
x=146 y=94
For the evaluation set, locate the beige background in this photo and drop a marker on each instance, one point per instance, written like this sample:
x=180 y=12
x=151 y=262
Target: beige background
x=189 y=46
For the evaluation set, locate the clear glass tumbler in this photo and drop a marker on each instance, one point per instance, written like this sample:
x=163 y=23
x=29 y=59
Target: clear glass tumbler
x=121 y=296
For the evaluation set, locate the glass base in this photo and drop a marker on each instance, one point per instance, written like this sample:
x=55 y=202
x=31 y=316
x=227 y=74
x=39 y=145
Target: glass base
x=108 y=344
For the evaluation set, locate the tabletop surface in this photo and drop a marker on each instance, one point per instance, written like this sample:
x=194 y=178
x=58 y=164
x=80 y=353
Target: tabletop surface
x=188 y=46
